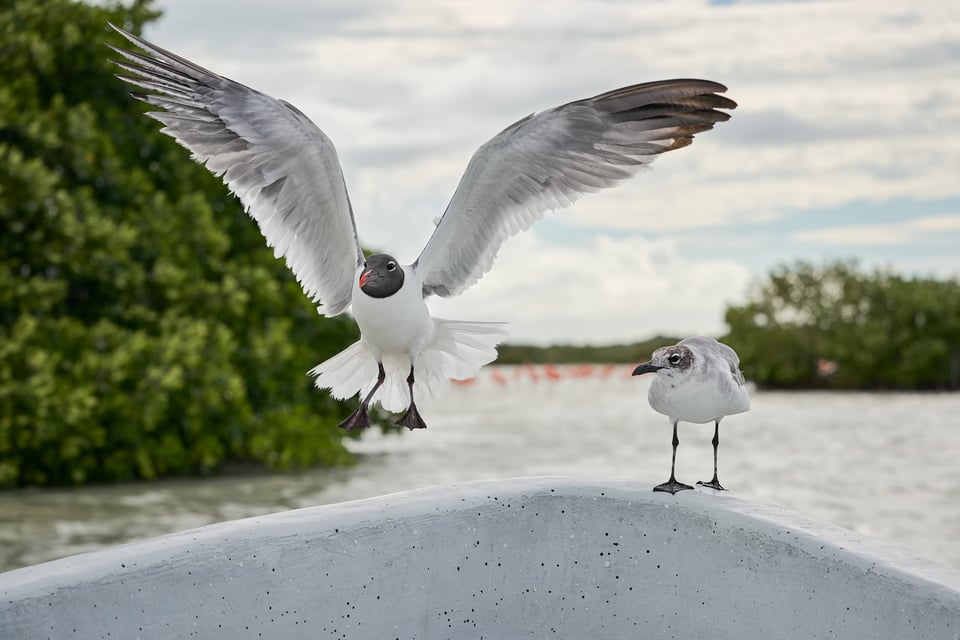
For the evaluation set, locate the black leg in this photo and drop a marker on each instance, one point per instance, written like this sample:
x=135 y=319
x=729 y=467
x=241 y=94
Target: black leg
x=672 y=486
x=715 y=483
x=360 y=419
x=411 y=418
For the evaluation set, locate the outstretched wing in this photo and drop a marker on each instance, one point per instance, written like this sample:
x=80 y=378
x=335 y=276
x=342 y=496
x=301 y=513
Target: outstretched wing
x=546 y=161
x=282 y=167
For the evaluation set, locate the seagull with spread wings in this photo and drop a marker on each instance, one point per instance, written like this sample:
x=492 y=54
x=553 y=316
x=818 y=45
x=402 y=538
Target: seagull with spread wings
x=286 y=173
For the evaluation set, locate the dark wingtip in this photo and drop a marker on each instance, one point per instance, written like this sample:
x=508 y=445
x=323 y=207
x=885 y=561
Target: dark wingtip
x=690 y=100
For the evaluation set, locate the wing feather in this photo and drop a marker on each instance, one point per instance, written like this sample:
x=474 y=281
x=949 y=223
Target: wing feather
x=720 y=351
x=548 y=160
x=283 y=167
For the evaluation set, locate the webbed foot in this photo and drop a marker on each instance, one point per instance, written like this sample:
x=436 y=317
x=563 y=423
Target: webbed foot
x=672 y=487
x=359 y=419
x=713 y=484
x=411 y=419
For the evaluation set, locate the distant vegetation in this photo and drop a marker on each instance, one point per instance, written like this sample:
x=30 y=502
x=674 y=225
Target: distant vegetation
x=839 y=326
x=834 y=326
x=637 y=352
x=145 y=328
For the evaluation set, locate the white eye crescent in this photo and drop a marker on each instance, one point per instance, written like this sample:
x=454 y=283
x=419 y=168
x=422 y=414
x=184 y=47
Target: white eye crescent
x=391 y=266
x=675 y=358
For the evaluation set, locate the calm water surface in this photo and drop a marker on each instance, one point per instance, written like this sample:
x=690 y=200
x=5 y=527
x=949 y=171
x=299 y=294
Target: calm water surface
x=884 y=465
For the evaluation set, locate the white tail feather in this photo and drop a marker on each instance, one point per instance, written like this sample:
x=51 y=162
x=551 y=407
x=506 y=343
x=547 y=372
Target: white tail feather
x=458 y=350
x=347 y=372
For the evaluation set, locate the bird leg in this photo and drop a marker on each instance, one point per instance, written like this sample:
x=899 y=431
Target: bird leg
x=360 y=419
x=715 y=483
x=411 y=418
x=671 y=486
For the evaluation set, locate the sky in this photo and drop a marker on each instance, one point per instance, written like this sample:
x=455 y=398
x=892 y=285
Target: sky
x=845 y=144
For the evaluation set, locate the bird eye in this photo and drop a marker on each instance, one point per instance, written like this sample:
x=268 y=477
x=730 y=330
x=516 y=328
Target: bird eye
x=675 y=358
x=391 y=266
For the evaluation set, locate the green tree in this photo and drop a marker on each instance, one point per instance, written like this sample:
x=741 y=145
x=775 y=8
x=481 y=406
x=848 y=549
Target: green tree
x=145 y=328
x=884 y=331
x=569 y=354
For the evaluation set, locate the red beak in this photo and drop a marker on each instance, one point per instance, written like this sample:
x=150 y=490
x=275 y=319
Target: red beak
x=363 y=277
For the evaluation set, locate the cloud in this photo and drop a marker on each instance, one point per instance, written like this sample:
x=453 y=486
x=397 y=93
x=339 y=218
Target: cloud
x=929 y=228
x=839 y=101
x=840 y=104
x=609 y=290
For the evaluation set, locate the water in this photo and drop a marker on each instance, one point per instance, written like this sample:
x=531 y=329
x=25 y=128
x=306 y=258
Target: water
x=884 y=465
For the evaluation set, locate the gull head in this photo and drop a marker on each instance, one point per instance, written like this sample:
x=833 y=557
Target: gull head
x=673 y=359
x=382 y=276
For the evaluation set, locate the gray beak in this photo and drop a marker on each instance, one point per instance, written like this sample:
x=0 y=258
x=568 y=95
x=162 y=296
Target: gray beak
x=646 y=367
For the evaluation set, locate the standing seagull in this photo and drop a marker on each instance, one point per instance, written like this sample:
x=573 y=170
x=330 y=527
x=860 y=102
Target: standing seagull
x=286 y=173
x=698 y=380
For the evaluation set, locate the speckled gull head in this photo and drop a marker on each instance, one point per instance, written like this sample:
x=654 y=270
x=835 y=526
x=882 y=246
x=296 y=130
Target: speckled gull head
x=697 y=380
